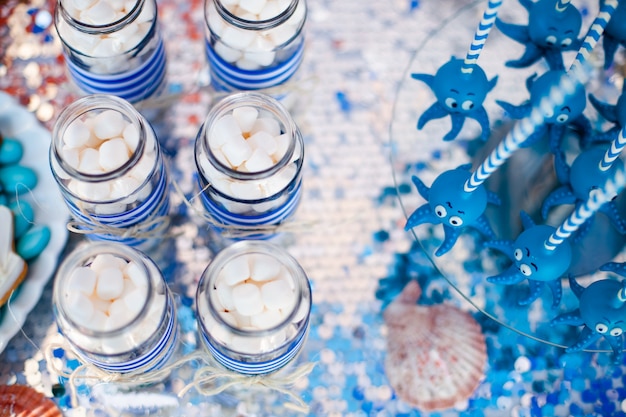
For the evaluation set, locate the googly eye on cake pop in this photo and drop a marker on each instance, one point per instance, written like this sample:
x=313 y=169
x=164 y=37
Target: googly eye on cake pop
x=450 y=205
x=585 y=176
x=614 y=34
x=602 y=312
x=532 y=261
x=613 y=113
x=552 y=28
x=459 y=96
x=557 y=121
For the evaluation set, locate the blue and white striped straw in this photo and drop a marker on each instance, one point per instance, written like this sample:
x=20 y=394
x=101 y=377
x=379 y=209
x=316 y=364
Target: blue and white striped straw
x=595 y=32
x=557 y=95
x=561 y=5
x=614 y=151
x=480 y=36
x=596 y=199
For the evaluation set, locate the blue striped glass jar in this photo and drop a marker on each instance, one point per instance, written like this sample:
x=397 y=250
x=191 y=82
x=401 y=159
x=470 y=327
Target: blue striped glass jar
x=127 y=340
x=239 y=194
x=110 y=197
x=254 y=45
x=266 y=339
x=112 y=47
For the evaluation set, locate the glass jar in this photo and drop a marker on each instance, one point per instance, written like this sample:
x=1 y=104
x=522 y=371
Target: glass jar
x=114 y=308
x=249 y=154
x=108 y=164
x=253 y=45
x=254 y=302
x=112 y=47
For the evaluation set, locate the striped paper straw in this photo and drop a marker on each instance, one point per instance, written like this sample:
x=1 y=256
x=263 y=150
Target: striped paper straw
x=595 y=31
x=586 y=210
x=557 y=95
x=480 y=36
x=614 y=151
x=561 y=5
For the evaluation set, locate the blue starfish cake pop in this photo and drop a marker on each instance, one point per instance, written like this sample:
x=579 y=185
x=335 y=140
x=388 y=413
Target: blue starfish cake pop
x=614 y=34
x=602 y=312
x=570 y=114
x=453 y=207
x=459 y=95
x=584 y=177
x=549 y=32
x=533 y=261
x=614 y=113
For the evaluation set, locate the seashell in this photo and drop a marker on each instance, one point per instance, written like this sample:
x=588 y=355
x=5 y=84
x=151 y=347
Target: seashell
x=436 y=355
x=24 y=401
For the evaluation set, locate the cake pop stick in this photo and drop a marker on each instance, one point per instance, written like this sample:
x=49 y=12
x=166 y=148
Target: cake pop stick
x=595 y=31
x=480 y=36
x=557 y=95
x=614 y=151
x=586 y=210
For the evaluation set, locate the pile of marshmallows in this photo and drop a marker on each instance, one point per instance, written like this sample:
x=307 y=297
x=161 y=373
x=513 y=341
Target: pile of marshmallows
x=254 y=292
x=108 y=294
x=104 y=12
x=246 y=140
x=253 y=49
x=101 y=143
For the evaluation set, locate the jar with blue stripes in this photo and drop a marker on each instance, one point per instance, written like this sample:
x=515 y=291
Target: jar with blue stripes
x=112 y=47
x=114 y=308
x=253 y=303
x=249 y=154
x=254 y=44
x=108 y=164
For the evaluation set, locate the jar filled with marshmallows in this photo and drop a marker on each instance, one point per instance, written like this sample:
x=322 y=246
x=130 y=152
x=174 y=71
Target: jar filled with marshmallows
x=254 y=44
x=114 y=308
x=108 y=164
x=254 y=302
x=112 y=47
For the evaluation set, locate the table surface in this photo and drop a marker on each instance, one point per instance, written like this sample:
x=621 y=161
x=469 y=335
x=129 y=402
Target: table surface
x=351 y=232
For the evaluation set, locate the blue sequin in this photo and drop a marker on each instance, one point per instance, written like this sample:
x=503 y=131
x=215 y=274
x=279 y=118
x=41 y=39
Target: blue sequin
x=58 y=353
x=588 y=396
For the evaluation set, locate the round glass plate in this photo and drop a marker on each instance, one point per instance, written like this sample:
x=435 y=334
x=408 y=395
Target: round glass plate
x=18 y=123
x=522 y=183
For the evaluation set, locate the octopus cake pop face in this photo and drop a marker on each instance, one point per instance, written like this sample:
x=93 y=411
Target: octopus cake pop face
x=453 y=205
x=599 y=309
x=585 y=175
x=551 y=28
x=458 y=92
x=534 y=261
x=573 y=107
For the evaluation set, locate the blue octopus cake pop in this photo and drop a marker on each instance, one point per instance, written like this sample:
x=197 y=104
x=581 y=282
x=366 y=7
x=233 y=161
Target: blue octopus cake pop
x=614 y=34
x=459 y=94
x=602 y=312
x=533 y=261
x=614 y=113
x=453 y=207
x=570 y=114
x=549 y=32
x=584 y=177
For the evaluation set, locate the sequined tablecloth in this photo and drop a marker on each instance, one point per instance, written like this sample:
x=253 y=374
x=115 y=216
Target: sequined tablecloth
x=352 y=234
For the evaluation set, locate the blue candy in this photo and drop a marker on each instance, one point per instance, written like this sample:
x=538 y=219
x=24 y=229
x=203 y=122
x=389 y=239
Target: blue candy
x=11 y=151
x=23 y=217
x=33 y=242
x=17 y=179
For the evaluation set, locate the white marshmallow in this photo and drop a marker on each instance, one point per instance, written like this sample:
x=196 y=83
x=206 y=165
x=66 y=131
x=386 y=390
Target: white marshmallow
x=227 y=53
x=119 y=311
x=82 y=279
x=245 y=116
x=265 y=141
x=215 y=22
x=237 y=38
x=116 y=344
x=94 y=192
x=71 y=156
x=225 y=296
x=278 y=182
x=100 y=305
x=265 y=206
x=113 y=154
x=218 y=332
x=234 y=272
x=236 y=151
x=79 y=4
x=124 y=187
x=79 y=307
x=144 y=167
x=89 y=162
x=267 y=319
x=247 y=299
x=282 y=144
x=136 y=274
x=262 y=58
x=110 y=208
x=77 y=134
x=252 y=6
x=246 y=344
x=246 y=190
x=134 y=301
x=100 y=13
x=303 y=311
x=243 y=321
x=258 y=161
x=264 y=268
x=110 y=283
x=106 y=260
x=277 y=295
x=266 y=124
x=107 y=47
x=131 y=137
x=98 y=321
x=108 y=124
x=228 y=318
x=224 y=129
x=270 y=11
x=282 y=34
x=221 y=184
x=147 y=12
x=247 y=65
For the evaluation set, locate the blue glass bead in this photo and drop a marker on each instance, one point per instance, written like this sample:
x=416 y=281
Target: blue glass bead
x=588 y=396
